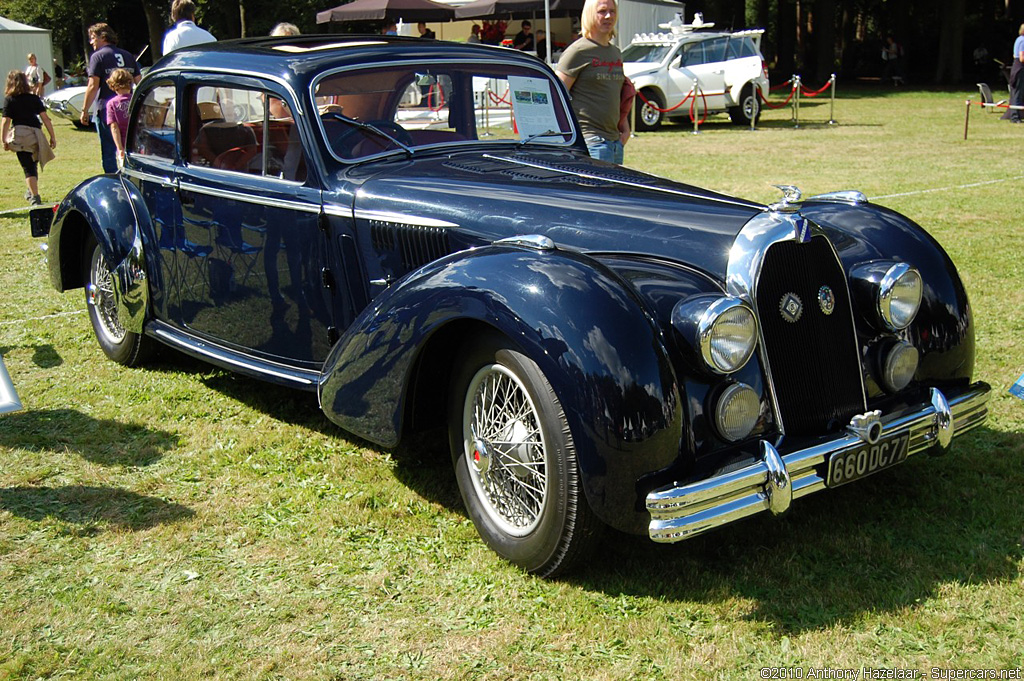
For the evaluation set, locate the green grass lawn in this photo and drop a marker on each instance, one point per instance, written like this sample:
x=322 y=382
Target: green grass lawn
x=180 y=522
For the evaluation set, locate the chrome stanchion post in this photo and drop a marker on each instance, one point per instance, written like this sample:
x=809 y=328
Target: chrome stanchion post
x=967 y=116
x=832 y=105
x=487 y=109
x=755 y=109
x=796 y=101
x=695 y=91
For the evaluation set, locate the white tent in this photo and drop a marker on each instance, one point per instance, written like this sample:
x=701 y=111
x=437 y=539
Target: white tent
x=17 y=40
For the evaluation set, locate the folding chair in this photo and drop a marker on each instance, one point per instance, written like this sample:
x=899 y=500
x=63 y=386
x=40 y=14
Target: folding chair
x=987 y=100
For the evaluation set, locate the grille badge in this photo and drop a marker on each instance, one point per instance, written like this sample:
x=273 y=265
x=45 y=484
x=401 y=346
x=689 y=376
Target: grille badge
x=826 y=300
x=791 y=307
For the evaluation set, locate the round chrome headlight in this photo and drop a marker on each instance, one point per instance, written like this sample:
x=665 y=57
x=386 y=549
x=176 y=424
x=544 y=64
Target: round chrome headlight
x=722 y=330
x=737 y=412
x=899 y=296
x=899 y=366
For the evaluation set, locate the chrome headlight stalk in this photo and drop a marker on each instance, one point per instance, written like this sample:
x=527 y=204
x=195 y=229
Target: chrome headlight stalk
x=893 y=291
x=721 y=329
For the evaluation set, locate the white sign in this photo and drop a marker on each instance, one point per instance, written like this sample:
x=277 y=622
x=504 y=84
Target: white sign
x=533 y=106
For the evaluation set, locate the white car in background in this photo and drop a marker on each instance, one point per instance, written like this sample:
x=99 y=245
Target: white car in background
x=727 y=68
x=67 y=103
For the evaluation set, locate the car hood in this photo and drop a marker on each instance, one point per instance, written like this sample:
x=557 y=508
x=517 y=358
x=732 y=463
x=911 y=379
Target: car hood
x=581 y=204
x=638 y=69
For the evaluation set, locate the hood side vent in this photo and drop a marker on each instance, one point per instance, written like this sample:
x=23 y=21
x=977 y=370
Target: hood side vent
x=414 y=245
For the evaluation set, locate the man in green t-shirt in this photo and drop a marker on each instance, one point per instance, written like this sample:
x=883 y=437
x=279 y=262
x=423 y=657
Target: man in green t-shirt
x=591 y=69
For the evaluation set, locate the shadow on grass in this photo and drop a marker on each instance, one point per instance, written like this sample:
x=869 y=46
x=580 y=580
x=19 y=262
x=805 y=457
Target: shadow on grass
x=882 y=544
x=86 y=506
x=44 y=356
x=105 y=442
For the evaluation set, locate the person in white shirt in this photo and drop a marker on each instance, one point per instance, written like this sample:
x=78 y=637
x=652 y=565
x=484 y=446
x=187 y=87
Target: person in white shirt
x=185 y=33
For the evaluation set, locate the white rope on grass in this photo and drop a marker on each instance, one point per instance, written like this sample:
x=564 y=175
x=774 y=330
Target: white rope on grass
x=948 y=189
x=39 y=319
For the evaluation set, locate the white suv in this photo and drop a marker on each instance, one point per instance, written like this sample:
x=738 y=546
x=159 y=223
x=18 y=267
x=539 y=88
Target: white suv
x=726 y=67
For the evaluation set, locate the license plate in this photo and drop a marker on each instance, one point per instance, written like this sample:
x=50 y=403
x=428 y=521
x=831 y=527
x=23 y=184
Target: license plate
x=858 y=462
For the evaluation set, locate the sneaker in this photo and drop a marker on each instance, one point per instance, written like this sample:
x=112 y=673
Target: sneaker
x=37 y=200
x=28 y=194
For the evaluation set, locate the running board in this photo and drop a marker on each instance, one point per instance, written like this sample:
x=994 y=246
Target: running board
x=232 y=360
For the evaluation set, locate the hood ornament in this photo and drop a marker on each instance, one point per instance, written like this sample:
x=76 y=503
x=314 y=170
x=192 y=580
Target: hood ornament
x=791 y=196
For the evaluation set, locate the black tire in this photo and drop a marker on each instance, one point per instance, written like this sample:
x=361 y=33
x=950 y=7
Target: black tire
x=648 y=117
x=527 y=502
x=748 y=107
x=124 y=347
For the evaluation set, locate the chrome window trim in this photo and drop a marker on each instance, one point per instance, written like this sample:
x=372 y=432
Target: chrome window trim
x=185 y=185
x=746 y=257
x=163 y=180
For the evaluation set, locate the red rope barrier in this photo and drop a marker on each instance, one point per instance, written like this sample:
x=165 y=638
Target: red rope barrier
x=807 y=93
x=659 y=109
x=497 y=100
x=693 y=118
x=775 y=106
x=440 y=97
x=780 y=86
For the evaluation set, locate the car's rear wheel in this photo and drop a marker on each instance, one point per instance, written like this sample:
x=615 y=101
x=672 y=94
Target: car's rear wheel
x=122 y=346
x=515 y=461
x=650 y=115
x=748 y=107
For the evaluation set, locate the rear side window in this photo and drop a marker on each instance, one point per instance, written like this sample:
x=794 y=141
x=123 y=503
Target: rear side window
x=740 y=48
x=153 y=131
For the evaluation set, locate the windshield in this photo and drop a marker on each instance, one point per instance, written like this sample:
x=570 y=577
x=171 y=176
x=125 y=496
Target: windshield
x=650 y=54
x=402 y=108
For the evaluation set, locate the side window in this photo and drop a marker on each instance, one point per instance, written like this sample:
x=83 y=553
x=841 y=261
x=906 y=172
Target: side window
x=693 y=54
x=244 y=130
x=714 y=50
x=153 y=129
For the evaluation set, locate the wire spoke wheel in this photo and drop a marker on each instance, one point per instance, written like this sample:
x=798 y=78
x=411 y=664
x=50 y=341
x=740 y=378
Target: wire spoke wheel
x=515 y=460
x=100 y=296
x=508 y=465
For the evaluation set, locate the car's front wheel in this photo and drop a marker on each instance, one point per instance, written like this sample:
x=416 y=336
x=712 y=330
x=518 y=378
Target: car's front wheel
x=515 y=462
x=749 y=108
x=122 y=346
x=650 y=115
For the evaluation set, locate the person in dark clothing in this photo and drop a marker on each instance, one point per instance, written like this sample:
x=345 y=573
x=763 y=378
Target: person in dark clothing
x=524 y=39
x=425 y=32
x=107 y=57
x=21 y=131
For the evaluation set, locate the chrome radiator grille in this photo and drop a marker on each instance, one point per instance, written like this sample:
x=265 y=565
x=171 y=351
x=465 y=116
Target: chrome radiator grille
x=812 y=355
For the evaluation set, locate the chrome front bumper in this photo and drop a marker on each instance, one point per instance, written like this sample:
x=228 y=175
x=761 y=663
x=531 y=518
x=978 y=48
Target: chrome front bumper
x=681 y=512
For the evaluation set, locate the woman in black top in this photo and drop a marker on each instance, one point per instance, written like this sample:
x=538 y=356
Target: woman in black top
x=24 y=117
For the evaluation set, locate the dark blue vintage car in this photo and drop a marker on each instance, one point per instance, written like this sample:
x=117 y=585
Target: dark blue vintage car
x=414 y=230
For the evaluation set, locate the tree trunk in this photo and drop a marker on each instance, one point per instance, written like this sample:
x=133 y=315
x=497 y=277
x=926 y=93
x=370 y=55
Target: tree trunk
x=155 y=24
x=825 y=42
x=949 y=55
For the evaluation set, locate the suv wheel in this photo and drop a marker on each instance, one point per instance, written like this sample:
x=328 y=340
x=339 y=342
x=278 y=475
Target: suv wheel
x=650 y=115
x=748 y=107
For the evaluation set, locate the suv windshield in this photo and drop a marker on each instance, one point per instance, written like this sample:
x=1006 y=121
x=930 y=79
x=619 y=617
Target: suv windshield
x=401 y=108
x=651 y=54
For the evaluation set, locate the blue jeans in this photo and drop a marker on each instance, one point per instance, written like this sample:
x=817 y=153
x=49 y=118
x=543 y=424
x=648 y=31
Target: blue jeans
x=108 y=150
x=605 y=150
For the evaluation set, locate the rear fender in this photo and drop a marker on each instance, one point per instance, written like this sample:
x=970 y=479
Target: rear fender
x=586 y=329
x=108 y=210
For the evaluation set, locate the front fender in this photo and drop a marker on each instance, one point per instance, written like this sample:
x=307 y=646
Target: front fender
x=106 y=208
x=586 y=329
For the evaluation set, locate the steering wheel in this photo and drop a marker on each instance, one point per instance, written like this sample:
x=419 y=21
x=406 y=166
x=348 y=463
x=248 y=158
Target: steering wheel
x=390 y=127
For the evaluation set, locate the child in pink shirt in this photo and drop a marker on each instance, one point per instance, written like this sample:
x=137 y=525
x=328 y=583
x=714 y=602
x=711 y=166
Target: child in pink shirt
x=120 y=82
